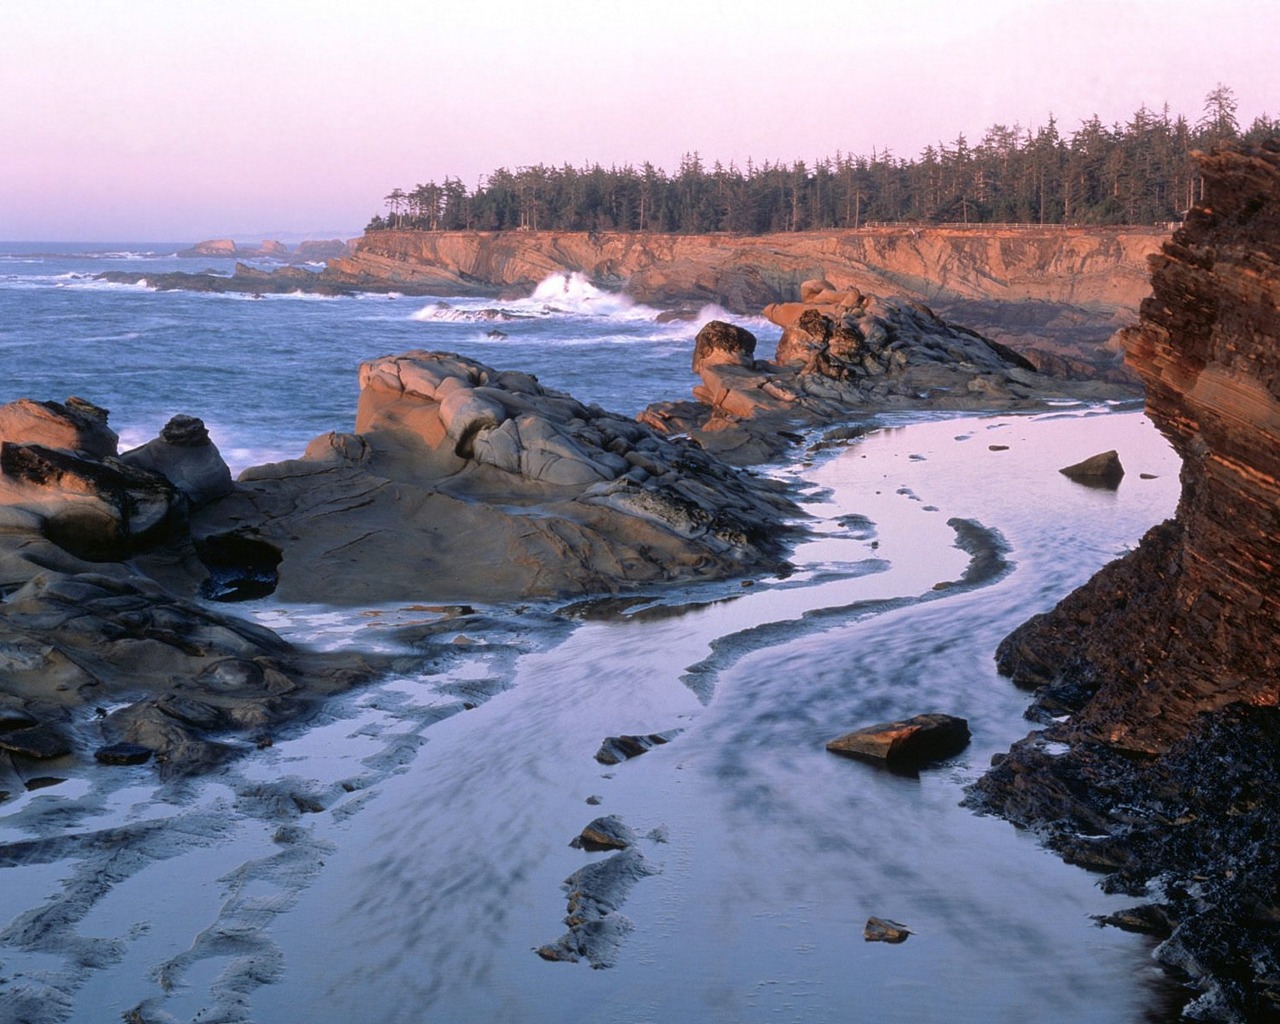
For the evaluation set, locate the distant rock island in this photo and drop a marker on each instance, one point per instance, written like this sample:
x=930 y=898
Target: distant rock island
x=307 y=251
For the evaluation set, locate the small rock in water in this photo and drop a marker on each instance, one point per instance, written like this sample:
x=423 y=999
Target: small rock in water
x=1103 y=470
x=880 y=929
x=914 y=741
x=608 y=833
x=616 y=749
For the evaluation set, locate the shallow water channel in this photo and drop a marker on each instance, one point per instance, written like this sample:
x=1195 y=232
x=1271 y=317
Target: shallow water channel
x=400 y=859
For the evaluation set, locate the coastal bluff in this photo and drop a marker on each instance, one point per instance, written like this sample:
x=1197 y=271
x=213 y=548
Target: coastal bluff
x=1158 y=681
x=1092 y=268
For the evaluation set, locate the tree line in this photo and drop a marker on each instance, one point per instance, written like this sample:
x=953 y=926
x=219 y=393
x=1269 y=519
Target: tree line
x=1140 y=172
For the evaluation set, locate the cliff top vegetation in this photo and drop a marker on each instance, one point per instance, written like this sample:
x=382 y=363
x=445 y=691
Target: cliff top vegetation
x=1140 y=172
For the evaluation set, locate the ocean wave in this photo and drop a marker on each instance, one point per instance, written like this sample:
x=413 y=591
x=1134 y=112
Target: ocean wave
x=449 y=313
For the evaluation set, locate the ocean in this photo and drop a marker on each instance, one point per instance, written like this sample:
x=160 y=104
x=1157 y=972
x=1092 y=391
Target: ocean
x=400 y=857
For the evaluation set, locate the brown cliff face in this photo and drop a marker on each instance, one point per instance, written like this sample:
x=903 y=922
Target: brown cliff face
x=1091 y=268
x=1166 y=662
x=1208 y=350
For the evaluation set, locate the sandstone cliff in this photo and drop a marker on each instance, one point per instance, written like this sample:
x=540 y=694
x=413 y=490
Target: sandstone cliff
x=1091 y=268
x=1166 y=662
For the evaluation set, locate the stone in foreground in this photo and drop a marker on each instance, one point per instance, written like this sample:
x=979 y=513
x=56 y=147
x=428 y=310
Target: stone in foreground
x=881 y=929
x=1102 y=470
x=910 y=743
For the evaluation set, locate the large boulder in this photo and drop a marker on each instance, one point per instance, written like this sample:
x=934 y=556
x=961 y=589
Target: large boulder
x=185 y=456
x=465 y=483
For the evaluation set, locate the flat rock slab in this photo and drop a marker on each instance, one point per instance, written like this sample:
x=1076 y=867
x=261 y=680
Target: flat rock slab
x=36 y=741
x=908 y=743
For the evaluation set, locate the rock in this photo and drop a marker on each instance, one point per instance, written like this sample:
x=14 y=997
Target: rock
x=96 y=509
x=1163 y=668
x=880 y=929
x=616 y=749
x=123 y=754
x=595 y=894
x=36 y=741
x=185 y=456
x=852 y=360
x=608 y=833
x=719 y=342
x=1103 y=470
x=540 y=496
x=78 y=426
x=913 y=742
x=218 y=247
x=328 y=249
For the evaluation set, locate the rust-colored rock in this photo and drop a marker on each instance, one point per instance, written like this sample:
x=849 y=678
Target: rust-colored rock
x=1167 y=658
x=909 y=743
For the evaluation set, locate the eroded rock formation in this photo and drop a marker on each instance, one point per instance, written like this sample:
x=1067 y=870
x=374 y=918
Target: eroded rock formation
x=849 y=354
x=1166 y=663
x=465 y=483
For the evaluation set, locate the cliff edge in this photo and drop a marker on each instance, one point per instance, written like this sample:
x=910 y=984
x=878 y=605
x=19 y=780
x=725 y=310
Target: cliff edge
x=1162 y=673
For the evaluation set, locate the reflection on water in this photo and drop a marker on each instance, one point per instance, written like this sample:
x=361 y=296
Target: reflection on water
x=439 y=841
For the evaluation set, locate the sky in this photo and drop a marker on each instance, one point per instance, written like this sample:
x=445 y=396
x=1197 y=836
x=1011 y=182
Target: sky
x=179 y=121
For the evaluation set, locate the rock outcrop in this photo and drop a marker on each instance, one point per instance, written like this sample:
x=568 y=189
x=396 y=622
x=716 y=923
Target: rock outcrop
x=1163 y=670
x=465 y=483
x=843 y=358
x=93 y=653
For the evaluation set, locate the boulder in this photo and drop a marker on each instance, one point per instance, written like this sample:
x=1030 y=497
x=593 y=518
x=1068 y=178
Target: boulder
x=1102 y=470
x=185 y=456
x=909 y=743
x=466 y=483
x=77 y=426
x=607 y=833
x=96 y=509
x=719 y=342
x=881 y=929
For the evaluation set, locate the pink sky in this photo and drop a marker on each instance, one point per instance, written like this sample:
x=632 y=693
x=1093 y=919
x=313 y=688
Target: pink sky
x=148 y=120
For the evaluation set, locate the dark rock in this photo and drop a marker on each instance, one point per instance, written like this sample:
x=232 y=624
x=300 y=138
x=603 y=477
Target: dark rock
x=880 y=929
x=96 y=509
x=1102 y=470
x=36 y=741
x=595 y=894
x=616 y=749
x=123 y=754
x=915 y=741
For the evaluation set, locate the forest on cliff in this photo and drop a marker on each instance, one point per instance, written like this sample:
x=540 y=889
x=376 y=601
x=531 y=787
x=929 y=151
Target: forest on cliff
x=1140 y=172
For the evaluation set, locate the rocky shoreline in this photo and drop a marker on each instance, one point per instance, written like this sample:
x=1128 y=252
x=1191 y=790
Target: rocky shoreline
x=1156 y=681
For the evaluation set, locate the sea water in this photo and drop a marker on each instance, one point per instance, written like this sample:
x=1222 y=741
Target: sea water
x=401 y=856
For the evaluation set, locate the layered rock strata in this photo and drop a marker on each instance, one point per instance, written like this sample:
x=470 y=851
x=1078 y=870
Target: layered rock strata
x=845 y=356
x=1163 y=670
